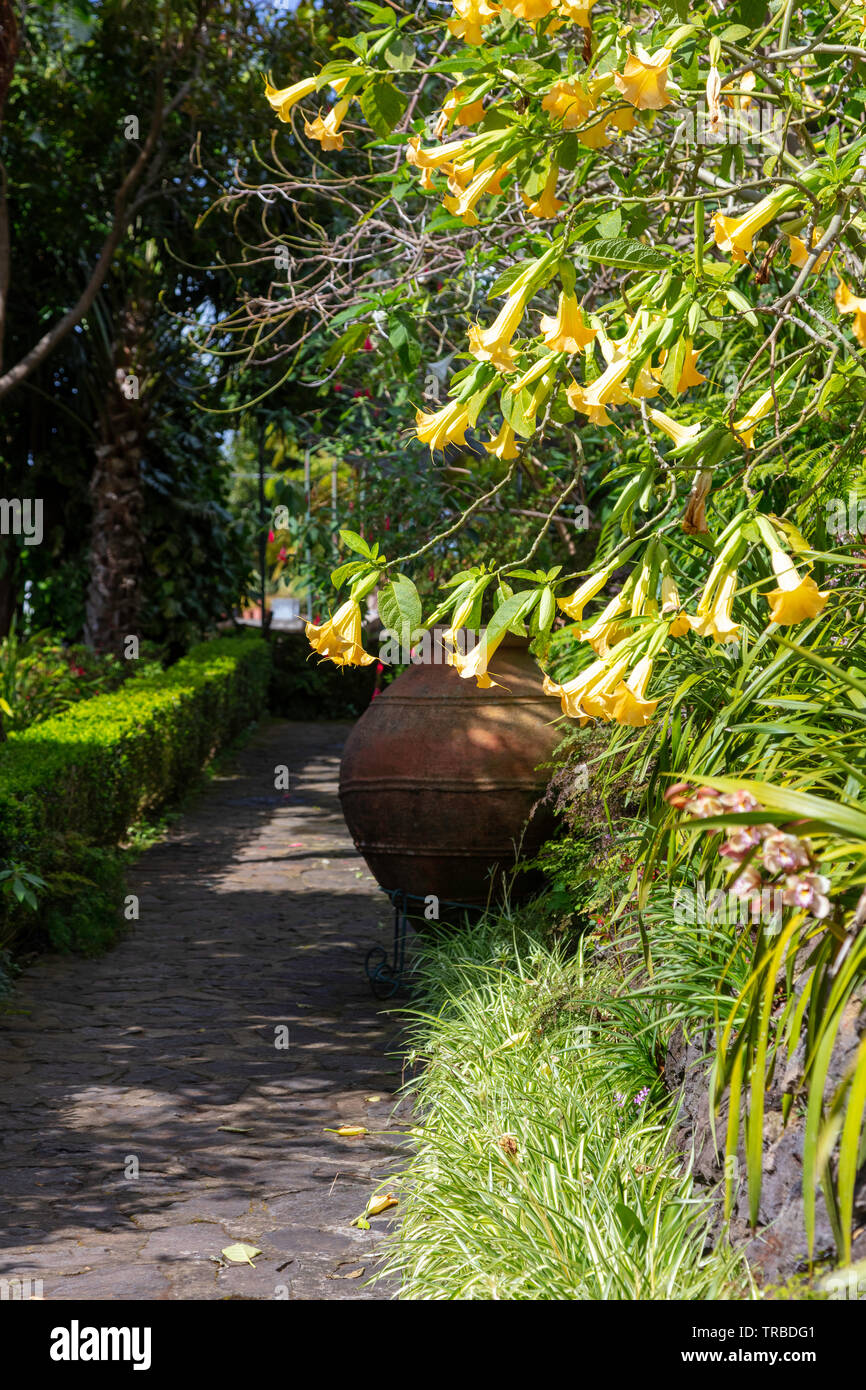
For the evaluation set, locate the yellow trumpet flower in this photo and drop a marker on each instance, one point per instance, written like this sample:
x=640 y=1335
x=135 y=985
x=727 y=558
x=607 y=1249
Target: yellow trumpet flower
x=599 y=699
x=574 y=605
x=671 y=604
x=438 y=155
x=797 y=597
x=799 y=251
x=714 y=611
x=503 y=446
x=735 y=235
x=529 y=10
x=493 y=344
x=566 y=332
x=605 y=390
x=745 y=84
x=605 y=632
x=589 y=694
x=746 y=426
x=470 y=18
x=284 y=98
x=643 y=80
x=576 y=11
x=546 y=204
x=445 y=426
x=463 y=204
x=630 y=705
x=680 y=434
x=568 y=103
x=339 y=639
x=848 y=303
x=470 y=113
x=327 y=129
x=475 y=662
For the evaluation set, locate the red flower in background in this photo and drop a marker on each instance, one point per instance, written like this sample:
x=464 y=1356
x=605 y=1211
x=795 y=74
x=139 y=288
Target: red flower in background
x=271 y=536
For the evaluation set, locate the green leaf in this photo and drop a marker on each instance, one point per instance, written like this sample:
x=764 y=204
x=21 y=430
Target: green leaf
x=739 y=301
x=344 y=572
x=546 y=610
x=400 y=608
x=517 y=409
x=511 y=613
x=353 y=541
x=404 y=340
x=502 y=284
x=346 y=345
x=382 y=106
x=400 y=53
x=625 y=254
x=673 y=367
x=610 y=225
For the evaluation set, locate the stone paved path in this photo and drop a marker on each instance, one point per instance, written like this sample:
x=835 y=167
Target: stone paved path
x=255 y=915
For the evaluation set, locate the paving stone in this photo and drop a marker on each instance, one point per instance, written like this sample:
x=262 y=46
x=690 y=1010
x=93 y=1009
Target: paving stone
x=148 y=1118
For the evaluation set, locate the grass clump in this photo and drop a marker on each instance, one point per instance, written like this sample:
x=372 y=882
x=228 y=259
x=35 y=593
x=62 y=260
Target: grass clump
x=544 y=1167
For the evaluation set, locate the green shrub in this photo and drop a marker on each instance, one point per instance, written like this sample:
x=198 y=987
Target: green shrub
x=75 y=782
x=304 y=688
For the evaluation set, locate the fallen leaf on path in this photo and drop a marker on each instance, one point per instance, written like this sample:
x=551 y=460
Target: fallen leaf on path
x=234 y=1129
x=371 y=1099
x=240 y=1254
x=348 y=1131
x=353 y=1274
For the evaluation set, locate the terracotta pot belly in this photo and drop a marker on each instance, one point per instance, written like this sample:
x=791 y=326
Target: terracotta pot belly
x=438 y=777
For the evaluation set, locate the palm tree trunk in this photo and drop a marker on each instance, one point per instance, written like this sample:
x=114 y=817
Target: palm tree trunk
x=116 y=551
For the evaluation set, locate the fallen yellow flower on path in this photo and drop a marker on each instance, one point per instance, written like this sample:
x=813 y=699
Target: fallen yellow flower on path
x=375 y=1207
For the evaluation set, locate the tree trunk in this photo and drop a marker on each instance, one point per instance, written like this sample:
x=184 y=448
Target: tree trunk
x=116 y=552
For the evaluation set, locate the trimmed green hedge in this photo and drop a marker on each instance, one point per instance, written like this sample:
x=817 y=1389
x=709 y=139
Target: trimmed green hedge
x=76 y=782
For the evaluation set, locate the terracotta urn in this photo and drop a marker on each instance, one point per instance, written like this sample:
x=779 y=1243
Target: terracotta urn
x=438 y=778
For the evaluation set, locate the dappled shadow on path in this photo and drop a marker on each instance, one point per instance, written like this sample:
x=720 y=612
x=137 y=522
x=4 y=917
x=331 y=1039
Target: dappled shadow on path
x=174 y=1096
